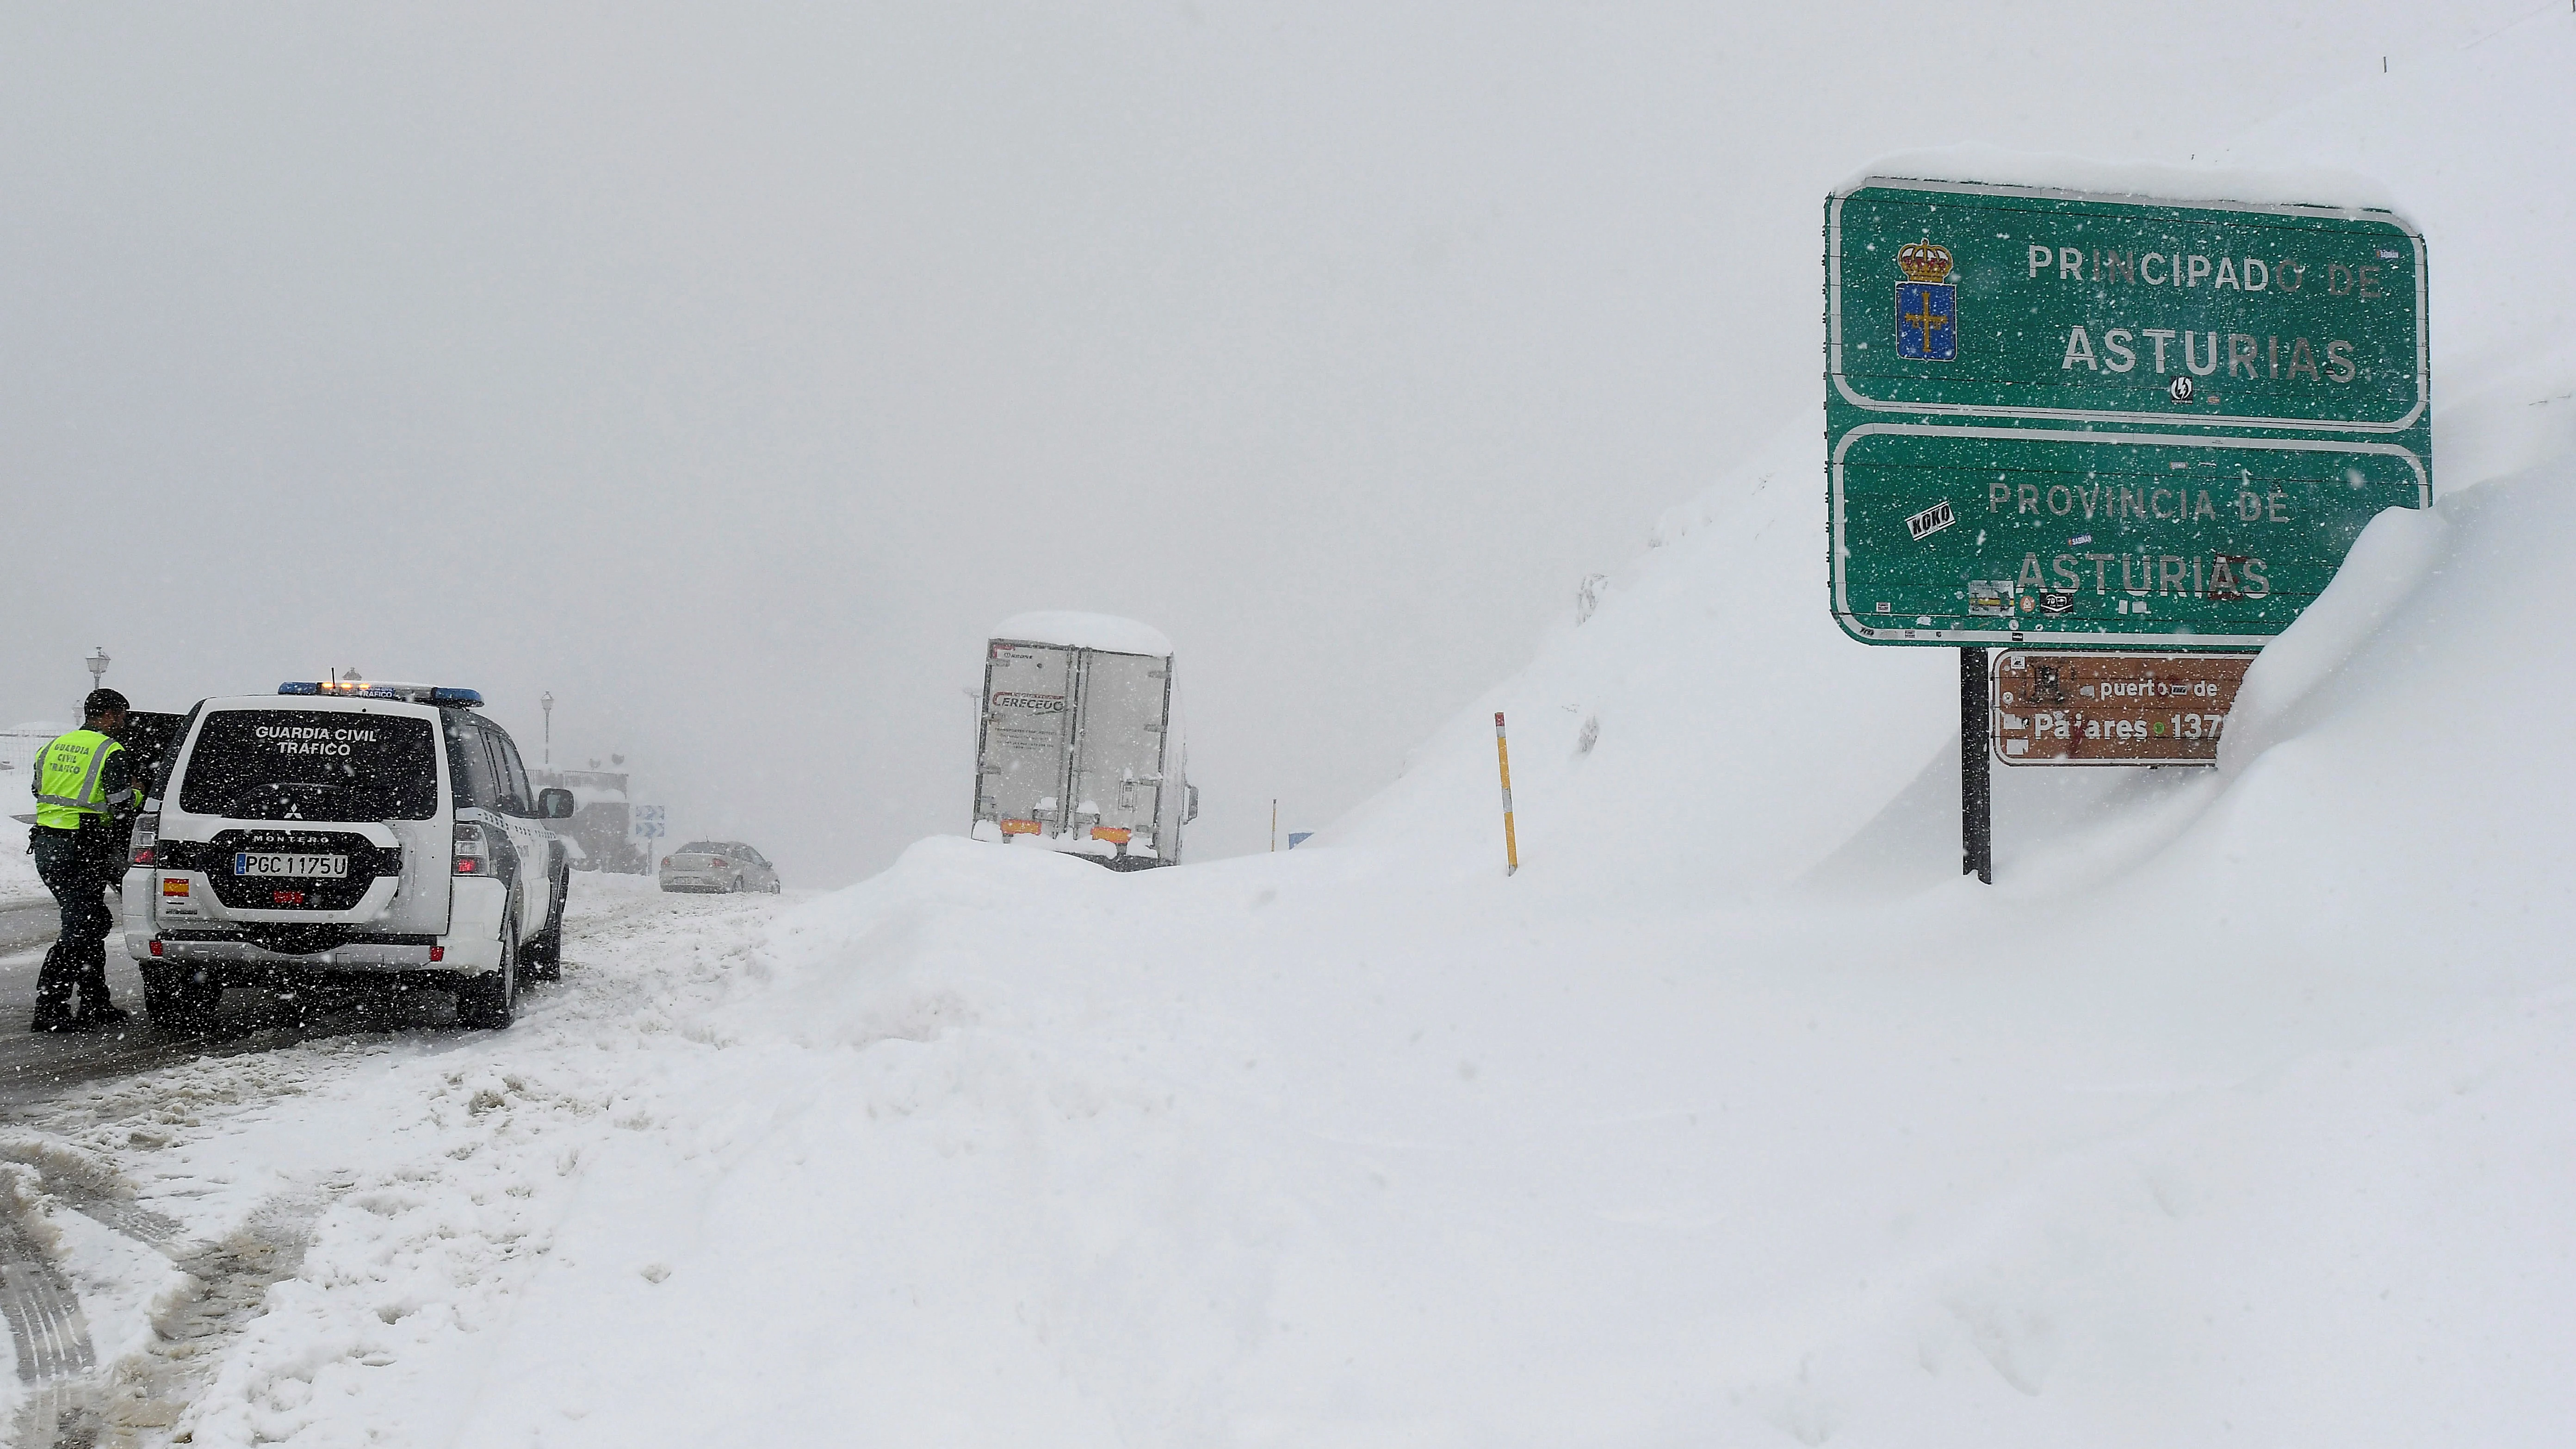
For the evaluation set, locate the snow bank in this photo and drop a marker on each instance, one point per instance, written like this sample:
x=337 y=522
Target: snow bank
x=2236 y=1108
x=1707 y=731
x=1085 y=631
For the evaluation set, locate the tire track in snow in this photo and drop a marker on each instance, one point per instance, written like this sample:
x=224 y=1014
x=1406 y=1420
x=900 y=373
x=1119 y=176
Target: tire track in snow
x=229 y=1281
x=47 y=1332
x=68 y=1407
x=145 y=1393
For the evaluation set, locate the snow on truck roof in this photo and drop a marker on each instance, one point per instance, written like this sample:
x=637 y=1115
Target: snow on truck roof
x=1084 y=631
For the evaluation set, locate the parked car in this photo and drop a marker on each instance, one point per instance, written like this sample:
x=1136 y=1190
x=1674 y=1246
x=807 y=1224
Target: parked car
x=340 y=835
x=724 y=866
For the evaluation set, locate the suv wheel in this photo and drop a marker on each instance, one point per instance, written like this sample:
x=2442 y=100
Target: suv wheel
x=544 y=953
x=489 y=1001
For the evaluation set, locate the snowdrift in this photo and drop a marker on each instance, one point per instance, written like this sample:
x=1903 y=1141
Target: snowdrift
x=2237 y=1108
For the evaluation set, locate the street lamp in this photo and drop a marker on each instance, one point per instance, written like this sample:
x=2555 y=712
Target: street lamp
x=546 y=702
x=97 y=667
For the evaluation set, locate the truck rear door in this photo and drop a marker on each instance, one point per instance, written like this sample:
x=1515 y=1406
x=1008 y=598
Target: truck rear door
x=1118 y=748
x=1021 y=761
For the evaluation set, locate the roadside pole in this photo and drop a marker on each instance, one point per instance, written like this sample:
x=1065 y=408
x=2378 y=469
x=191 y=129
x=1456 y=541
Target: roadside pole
x=1503 y=758
x=1274 y=826
x=1976 y=771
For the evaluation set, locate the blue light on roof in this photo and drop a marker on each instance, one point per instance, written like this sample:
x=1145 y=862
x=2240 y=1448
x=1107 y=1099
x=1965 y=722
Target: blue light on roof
x=376 y=689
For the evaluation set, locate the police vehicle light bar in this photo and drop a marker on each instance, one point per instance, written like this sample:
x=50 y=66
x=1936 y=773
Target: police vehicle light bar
x=379 y=689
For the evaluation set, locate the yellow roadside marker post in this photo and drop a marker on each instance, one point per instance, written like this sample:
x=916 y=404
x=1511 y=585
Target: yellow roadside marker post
x=1503 y=757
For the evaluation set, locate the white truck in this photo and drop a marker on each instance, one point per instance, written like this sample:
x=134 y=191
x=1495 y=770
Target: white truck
x=1078 y=741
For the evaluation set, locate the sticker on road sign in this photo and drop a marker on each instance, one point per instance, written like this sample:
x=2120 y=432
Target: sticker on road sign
x=1930 y=521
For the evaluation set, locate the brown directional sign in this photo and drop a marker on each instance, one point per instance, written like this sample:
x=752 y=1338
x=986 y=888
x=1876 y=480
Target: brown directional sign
x=2059 y=708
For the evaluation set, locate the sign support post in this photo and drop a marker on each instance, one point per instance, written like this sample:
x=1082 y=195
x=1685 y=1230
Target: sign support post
x=1503 y=758
x=647 y=826
x=1976 y=771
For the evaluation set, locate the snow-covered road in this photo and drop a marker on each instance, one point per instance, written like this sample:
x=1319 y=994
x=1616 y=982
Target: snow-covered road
x=171 y=1199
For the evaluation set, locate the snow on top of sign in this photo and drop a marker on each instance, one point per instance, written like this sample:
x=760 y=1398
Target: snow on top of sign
x=1084 y=631
x=2288 y=186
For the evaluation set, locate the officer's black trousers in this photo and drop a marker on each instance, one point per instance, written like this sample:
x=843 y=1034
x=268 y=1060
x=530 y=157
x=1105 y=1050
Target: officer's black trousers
x=78 y=873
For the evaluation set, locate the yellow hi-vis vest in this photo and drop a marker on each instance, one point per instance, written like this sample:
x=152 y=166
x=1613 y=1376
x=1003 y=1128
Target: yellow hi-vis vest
x=67 y=779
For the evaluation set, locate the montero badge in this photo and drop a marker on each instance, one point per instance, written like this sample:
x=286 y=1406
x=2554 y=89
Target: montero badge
x=2147 y=423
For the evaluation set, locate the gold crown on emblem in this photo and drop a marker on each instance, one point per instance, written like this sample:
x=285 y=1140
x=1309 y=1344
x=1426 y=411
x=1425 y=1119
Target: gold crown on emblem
x=1924 y=261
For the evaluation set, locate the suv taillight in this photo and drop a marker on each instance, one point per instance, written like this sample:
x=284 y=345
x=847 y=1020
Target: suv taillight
x=719 y=862
x=146 y=845
x=469 y=849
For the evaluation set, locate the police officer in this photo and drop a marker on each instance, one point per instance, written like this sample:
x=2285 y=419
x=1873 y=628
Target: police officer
x=85 y=795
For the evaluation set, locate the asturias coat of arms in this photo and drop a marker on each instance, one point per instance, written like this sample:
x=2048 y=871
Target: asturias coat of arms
x=1927 y=304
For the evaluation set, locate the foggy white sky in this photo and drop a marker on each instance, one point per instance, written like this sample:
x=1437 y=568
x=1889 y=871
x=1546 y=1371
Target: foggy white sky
x=730 y=370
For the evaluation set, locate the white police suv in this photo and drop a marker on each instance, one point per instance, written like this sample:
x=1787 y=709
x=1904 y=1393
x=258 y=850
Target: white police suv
x=340 y=835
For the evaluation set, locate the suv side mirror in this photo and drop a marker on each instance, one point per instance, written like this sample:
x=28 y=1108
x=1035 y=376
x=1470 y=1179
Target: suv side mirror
x=554 y=803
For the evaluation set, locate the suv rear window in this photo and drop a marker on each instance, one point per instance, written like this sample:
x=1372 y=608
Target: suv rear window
x=304 y=764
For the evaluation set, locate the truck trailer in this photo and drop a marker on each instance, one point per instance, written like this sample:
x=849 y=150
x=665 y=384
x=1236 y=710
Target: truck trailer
x=601 y=829
x=1079 y=745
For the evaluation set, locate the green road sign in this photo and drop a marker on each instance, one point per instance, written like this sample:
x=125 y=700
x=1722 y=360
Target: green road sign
x=2051 y=532
x=2055 y=417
